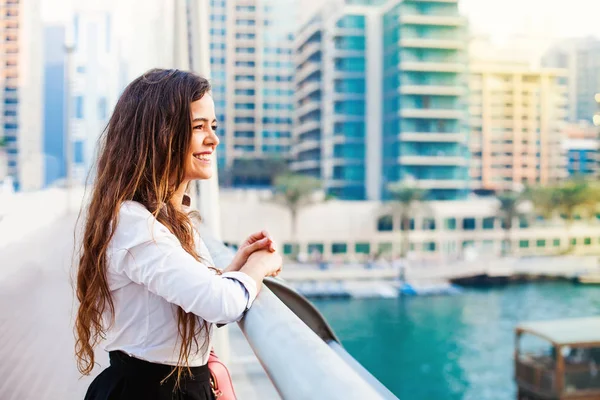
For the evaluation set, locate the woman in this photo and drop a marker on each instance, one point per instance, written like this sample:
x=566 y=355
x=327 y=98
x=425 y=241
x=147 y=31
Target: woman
x=145 y=280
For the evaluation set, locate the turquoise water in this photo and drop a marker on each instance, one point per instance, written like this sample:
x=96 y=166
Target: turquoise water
x=455 y=347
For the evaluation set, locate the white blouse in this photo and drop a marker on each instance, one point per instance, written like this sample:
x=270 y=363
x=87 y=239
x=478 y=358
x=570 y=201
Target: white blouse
x=150 y=274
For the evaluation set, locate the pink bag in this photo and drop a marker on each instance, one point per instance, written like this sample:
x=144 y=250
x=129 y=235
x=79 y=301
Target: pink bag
x=220 y=379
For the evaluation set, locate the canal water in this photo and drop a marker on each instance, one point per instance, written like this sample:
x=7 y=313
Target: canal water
x=451 y=347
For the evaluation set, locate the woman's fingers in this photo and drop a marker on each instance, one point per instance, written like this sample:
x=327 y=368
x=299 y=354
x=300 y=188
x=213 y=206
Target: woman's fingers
x=258 y=245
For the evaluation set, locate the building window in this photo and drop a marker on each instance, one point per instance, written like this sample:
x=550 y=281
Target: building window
x=81 y=69
x=524 y=244
x=102 y=108
x=429 y=247
x=315 y=247
x=245 y=8
x=469 y=224
x=245 y=64
x=523 y=222
x=556 y=242
x=587 y=241
x=450 y=224
x=428 y=224
x=245 y=36
x=540 y=243
x=488 y=223
x=411 y=224
x=78 y=152
x=385 y=223
x=290 y=249
x=573 y=241
x=362 y=248
x=385 y=248
x=339 y=248
x=79 y=107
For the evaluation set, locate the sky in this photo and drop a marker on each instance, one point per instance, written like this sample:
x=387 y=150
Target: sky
x=498 y=18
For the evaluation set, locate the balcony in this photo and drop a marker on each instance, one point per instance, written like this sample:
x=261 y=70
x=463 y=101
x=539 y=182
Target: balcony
x=433 y=90
x=306 y=145
x=306 y=34
x=309 y=50
x=349 y=53
x=244 y=84
x=308 y=126
x=424 y=43
x=349 y=74
x=343 y=161
x=432 y=160
x=433 y=20
x=307 y=70
x=244 y=98
x=431 y=113
x=428 y=137
x=241 y=126
x=307 y=108
x=341 y=31
x=243 y=141
x=245 y=43
x=348 y=96
x=306 y=164
x=424 y=66
x=240 y=112
x=307 y=89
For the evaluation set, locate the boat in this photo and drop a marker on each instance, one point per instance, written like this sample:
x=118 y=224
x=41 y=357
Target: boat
x=588 y=279
x=565 y=362
x=429 y=289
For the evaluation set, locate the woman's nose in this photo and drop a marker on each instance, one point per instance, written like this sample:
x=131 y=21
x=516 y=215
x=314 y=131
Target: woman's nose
x=212 y=139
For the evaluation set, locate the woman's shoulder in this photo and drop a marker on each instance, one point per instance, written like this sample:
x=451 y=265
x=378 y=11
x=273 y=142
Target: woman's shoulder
x=137 y=225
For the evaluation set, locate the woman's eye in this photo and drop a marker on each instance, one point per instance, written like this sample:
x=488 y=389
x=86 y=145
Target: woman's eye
x=198 y=127
x=215 y=127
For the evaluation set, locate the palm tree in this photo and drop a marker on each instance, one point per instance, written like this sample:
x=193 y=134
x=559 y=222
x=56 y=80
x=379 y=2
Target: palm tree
x=405 y=200
x=508 y=210
x=545 y=200
x=576 y=198
x=295 y=191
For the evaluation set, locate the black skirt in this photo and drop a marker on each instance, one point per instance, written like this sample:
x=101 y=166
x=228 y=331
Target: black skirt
x=129 y=378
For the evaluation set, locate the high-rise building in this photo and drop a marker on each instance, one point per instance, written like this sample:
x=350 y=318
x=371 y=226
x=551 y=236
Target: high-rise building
x=252 y=71
x=517 y=124
x=95 y=85
x=382 y=97
x=54 y=105
x=583 y=149
x=581 y=57
x=21 y=89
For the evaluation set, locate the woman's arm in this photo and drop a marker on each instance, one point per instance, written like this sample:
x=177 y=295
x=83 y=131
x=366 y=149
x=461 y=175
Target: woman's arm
x=255 y=242
x=168 y=271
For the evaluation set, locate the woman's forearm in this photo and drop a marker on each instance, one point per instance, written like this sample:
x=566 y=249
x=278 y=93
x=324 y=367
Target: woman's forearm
x=232 y=267
x=256 y=272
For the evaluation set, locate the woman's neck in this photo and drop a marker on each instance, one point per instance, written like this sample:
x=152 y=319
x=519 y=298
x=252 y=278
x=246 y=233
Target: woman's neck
x=179 y=198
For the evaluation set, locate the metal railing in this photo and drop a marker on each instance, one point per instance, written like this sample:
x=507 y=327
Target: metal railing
x=302 y=357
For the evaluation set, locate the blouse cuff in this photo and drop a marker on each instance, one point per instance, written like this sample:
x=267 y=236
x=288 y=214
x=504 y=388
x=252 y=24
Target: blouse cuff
x=248 y=283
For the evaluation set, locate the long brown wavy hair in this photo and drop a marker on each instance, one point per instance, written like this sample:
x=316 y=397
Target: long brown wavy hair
x=142 y=157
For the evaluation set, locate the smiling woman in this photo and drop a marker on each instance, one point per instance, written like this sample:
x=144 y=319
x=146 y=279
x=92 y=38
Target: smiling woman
x=146 y=283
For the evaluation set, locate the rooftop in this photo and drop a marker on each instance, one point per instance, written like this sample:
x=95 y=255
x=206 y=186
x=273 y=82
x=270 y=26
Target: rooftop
x=572 y=331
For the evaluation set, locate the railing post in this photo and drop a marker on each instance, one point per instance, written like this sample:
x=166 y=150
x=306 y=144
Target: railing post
x=559 y=371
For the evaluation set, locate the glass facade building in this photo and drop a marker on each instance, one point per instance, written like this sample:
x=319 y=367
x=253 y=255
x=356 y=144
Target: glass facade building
x=382 y=97
x=252 y=77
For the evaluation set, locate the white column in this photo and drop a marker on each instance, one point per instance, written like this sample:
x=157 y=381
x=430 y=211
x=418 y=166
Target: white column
x=373 y=139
